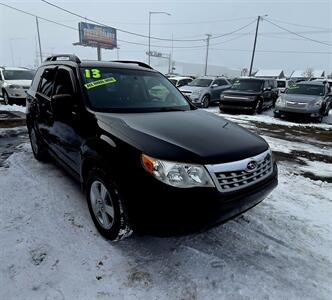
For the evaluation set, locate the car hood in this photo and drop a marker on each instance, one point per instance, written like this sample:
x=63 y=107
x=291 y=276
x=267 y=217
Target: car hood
x=240 y=93
x=189 y=88
x=301 y=98
x=193 y=136
x=25 y=83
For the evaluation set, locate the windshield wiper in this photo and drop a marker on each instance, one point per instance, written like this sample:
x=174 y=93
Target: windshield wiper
x=171 y=109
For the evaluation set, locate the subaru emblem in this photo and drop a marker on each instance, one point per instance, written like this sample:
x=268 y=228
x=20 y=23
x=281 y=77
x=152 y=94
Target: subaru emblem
x=252 y=165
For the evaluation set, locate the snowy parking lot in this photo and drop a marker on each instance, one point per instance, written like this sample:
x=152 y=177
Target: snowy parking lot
x=281 y=249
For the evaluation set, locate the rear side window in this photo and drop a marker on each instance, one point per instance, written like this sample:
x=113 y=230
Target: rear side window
x=47 y=82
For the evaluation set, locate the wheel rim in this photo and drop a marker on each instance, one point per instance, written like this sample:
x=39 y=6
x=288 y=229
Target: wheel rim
x=205 y=101
x=102 y=204
x=33 y=139
x=5 y=98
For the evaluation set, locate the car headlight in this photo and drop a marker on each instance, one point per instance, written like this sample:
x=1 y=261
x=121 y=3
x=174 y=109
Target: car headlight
x=280 y=102
x=196 y=93
x=176 y=174
x=14 y=86
x=318 y=103
x=222 y=97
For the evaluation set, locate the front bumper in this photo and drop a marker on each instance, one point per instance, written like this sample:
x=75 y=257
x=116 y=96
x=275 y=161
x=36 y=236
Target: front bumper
x=313 y=112
x=237 y=105
x=162 y=210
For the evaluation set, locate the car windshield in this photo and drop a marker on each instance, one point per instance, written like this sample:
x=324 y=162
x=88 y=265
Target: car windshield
x=18 y=74
x=281 y=83
x=247 y=85
x=201 y=82
x=306 y=89
x=123 y=90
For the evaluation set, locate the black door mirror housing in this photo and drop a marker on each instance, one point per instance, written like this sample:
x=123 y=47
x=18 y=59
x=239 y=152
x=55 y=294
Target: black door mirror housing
x=62 y=104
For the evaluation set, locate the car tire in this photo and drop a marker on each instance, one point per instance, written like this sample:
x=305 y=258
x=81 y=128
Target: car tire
x=6 y=98
x=38 y=147
x=276 y=115
x=106 y=206
x=206 y=101
x=319 y=119
x=258 y=107
x=327 y=110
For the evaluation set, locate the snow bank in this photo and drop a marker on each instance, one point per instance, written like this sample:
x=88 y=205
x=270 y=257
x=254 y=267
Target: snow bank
x=13 y=107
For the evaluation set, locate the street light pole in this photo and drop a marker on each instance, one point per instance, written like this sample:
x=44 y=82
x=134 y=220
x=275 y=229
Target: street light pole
x=254 y=49
x=40 y=49
x=150 y=13
x=207 y=52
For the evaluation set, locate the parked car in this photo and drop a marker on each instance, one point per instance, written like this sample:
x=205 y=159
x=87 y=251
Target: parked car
x=205 y=90
x=311 y=98
x=179 y=81
x=153 y=165
x=14 y=82
x=250 y=94
x=283 y=84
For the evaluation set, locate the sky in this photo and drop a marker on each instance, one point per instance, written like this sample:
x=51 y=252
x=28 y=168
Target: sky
x=276 y=48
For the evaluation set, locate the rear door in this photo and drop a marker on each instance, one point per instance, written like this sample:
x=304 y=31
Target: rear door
x=216 y=91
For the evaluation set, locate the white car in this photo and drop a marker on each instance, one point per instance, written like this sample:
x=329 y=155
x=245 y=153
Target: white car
x=283 y=84
x=14 y=82
x=179 y=81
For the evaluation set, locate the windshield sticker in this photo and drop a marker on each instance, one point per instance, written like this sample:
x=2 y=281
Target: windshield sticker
x=93 y=73
x=100 y=82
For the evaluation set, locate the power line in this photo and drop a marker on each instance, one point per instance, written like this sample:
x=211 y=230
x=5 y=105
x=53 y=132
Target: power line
x=234 y=31
x=300 y=25
x=118 y=29
x=294 y=33
x=274 y=51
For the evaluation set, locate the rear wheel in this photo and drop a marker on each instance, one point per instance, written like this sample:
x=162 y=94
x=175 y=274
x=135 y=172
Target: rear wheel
x=106 y=206
x=6 y=98
x=206 y=101
x=276 y=114
x=38 y=147
x=259 y=107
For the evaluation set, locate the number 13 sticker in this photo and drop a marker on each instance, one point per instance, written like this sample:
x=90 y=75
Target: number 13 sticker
x=94 y=73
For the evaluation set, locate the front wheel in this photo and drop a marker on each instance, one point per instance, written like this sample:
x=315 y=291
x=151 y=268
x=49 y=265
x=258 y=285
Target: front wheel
x=206 y=101
x=106 y=206
x=6 y=98
x=259 y=107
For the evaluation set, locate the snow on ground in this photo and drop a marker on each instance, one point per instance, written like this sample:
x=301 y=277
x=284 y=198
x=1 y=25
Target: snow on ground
x=267 y=117
x=50 y=249
x=13 y=107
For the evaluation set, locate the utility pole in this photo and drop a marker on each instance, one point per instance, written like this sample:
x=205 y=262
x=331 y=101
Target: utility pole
x=98 y=53
x=149 y=51
x=171 y=59
x=40 y=48
x=254 y=49
x=207 y=52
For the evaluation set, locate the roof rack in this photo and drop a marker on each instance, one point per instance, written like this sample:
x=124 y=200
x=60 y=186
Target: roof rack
x=139 y=63
x=71 y=57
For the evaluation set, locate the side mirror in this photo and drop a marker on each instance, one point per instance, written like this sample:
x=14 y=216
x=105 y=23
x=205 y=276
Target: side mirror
x=214 y=85
x=62 y=103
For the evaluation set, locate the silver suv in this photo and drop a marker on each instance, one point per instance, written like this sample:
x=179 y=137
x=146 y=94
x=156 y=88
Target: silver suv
x=311 y=98
x=14 y=82
x=205 y=90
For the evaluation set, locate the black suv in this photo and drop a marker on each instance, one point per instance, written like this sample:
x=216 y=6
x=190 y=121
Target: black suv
x=148 y=160
x=250 y=94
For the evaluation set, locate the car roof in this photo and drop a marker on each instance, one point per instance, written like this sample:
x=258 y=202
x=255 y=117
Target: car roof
x=211 y=77
x=100 y=64
x=179 y=77
x=311 y=83
x=14 y=68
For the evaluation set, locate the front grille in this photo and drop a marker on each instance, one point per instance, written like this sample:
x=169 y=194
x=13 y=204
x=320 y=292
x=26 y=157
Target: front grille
x=238 y=98
x=296 y=104
x=237 y=175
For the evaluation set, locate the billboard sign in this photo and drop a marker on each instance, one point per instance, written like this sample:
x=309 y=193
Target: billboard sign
x=97 y=36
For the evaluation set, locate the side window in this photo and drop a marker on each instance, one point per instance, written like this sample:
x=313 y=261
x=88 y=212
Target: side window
x=1 y=78
x=46 y=83
x=63 y=83
x=266 y=84
x=36 y=80
x=186 y=81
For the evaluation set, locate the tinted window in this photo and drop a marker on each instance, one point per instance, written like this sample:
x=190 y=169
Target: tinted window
x=281 y=83
x=121 y=90
x=36 y=80
x=46 y=83
x=247 y=85
x=18 y=74
x=63 y=83
x=220 y=82
x=306 y=89
x=201 y=82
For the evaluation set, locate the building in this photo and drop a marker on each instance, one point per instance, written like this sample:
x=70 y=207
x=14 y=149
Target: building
x=276 y=74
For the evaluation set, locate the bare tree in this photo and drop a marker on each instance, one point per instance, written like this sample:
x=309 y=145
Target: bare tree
x=308 y=73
